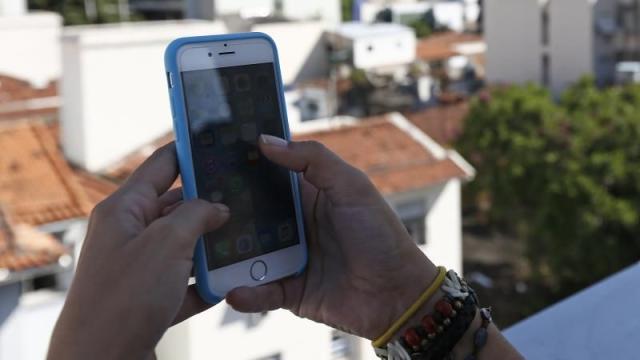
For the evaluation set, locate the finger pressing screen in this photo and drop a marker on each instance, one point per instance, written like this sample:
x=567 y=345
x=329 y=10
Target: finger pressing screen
x=320 y=166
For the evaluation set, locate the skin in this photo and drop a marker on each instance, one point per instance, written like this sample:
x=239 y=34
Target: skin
x=364 y=270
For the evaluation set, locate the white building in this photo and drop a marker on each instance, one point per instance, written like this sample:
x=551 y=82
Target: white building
x=30 y=43
x=325 y=10
x=555 y=42
x=426 y=196
x=114 y=84
x=453 y=15
x=375 y=46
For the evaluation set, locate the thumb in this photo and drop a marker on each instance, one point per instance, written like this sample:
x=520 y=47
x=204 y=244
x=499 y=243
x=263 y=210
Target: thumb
x=257 y=299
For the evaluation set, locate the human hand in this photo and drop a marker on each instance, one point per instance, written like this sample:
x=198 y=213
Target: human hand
x=364 y=269
x=131 y=279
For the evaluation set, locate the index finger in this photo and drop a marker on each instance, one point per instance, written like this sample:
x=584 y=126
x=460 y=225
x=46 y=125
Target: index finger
x=159 y=171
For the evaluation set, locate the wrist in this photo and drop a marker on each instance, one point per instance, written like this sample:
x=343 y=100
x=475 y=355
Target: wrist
x=410 y=284
x=82 y=334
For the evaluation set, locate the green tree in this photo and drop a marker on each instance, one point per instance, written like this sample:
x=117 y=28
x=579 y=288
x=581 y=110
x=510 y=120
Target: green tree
x=76 y=12
x=421 y=28
x=347 y=10
x=564 y=177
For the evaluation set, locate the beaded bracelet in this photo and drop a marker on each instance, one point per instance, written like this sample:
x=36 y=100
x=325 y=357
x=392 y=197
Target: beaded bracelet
x=481 y=335
x=455 y=312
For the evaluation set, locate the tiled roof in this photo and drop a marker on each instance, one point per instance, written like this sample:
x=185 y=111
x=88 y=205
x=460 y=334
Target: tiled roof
x=441 y=46
x=19 y=99
x=443 y=123
x=393 y=159
x=23 y=247
x=36 y=183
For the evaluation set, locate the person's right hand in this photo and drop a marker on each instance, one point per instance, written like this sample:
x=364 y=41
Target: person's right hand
x=364 y=269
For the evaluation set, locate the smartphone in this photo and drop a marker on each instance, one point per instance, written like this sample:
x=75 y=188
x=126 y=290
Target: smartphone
x=225 y=91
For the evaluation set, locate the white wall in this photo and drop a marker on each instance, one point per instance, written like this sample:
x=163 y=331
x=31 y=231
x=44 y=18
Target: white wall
x=13 y=7
x=25 y=335
x=443 y=222
x=114 y=87
x=571 y=42
x=327 y=10
x=512 y=30
x=222 y=333
x=301 y=48
x=30 y=46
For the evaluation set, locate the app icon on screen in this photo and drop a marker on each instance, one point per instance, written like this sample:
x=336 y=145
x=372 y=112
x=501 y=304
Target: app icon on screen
x=236 y=184
x=266 y=240
x=228 y=135
x=211 y=166
x=222 y=248
x=244 y=244
x=206 y=138
x=285 y=232
x=245 y=107
x=262 y=81
x=249 y=132
x=252 y=157
x=216 y=196
x=241 y=82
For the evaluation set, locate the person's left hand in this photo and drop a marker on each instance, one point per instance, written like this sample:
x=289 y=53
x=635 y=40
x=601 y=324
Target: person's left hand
x=131 y=280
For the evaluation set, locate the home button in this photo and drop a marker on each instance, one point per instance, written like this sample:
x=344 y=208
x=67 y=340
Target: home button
x=258 y=270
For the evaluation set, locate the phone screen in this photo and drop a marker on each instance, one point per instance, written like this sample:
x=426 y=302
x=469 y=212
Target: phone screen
x=227 y=109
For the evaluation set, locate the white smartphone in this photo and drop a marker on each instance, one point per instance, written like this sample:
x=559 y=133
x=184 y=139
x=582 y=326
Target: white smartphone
x=226 y=91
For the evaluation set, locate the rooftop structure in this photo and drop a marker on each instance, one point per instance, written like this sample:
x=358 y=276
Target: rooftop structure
x=375 y=46
x=532 y=41
x=30 y=45
x=36 y=183
x=583 y=326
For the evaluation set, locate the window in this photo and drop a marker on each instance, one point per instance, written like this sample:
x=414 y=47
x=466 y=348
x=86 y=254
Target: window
x=417 y=229
x=544 y=23
x=414 y=217
x=340 y=345
x=546 y=76
x=271 y=357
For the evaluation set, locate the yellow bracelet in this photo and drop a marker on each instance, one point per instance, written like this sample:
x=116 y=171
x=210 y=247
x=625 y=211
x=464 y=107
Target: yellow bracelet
x=384 y=339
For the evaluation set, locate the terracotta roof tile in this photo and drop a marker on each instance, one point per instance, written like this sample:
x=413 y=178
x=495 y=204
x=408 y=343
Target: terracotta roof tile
x=18 y=99
x=36 y=183
x=440 y=46
x=444 y=123
x=390 y=157
x=23 y=247
x=393 y=160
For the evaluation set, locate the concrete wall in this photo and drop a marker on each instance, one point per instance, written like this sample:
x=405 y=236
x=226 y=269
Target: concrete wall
x=114 y=88
x=327 y=10
x=571 y=42
x=222 y=333
x=514 y=41
x=443 y=222
x=301 y=47
x=30 y=46
x=396 y=48
x=25 y=335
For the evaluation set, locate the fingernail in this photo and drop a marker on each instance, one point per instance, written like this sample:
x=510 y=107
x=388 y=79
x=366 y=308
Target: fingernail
x=273 y=140
x=222 y=208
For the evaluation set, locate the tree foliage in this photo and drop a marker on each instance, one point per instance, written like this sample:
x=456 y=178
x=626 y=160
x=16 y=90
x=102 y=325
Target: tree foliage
x=564 y=176
x=74 y=12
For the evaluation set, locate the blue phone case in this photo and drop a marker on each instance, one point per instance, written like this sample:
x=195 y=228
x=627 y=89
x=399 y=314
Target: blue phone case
x=183 y=147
